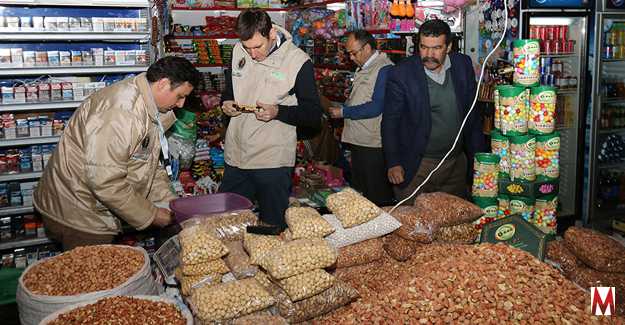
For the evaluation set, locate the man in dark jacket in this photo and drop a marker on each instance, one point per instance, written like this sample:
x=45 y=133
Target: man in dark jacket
x=427 y=97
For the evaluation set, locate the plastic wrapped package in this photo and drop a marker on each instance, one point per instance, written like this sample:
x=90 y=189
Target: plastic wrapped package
x=558 y=254
x=417 y=223
x=297 y=257
x=229 y=226
x=307 y=284
x=263 y=279
x=595 y=249
x=188 y=283
x=378 y=227
x=259 y=245
x=238 y=261
x=199 y=246
x=361 y=253
x=586 y=277
x=447 y=209
x=351 y=208
x=183 y=149
x=229 y=300
x=215 y=266
x=306 y=223
x=465 y=233
x=260 y=320
x=399 y=248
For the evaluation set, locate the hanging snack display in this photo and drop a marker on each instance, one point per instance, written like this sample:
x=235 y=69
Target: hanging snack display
x=545 y=213
x=522 y=156
x=526 y=57
x=513 y=102
x=485 y=175
x=523 y=206
x=541 y=119
x=548 y=156
x=500 y=146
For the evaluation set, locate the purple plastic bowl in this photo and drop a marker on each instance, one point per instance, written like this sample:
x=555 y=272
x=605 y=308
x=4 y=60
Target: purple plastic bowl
x=187 y=207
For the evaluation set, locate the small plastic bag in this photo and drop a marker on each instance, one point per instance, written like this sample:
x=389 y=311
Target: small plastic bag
x=360 y=253
x=465 y=233
x=260 y=320
x=215 y=266
x=399 y=248
x=198 y=246
x=229 y=226
x=604 y=254
x=189 y=283
x=259 y=245
x=417 y=223
x=351 y=208
x=297 y=257
x=307 y=284
x=447 y=210
x=558 y=254
x=306 y=223
x=378 y=227
x=238 y=261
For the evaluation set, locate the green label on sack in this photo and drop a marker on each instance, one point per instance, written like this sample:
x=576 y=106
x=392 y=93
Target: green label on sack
x=518 y=233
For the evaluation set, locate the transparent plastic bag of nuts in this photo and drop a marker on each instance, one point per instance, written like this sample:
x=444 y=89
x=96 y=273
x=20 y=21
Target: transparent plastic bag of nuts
x=586 y=277
x=189 y=283
x=418 y=224
x=238 y=261
x=558 y=254
x=447 y=210
x=399 y=248
x=306 y=222
x=351 y=208
x=465 y=233
x=297 y=257
x=338 y=295
x=307 y=284
x=603 y=254
x=211 y=267
x=228 y=226
x=378 y=227
x=257 y=246
x=198 y=246
x=260 y=320
x=361 y=253
x=229 y=300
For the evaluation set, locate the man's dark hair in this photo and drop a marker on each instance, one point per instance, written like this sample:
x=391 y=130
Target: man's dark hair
x=435 y=28
x=364 y=37
x=178 y=70
x=251 y=21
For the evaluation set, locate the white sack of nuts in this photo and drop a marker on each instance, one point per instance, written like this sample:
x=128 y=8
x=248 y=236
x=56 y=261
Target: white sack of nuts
x=307 y=284
x=229 y=300
x=351 y=208
x=306 y=223
x=119 y=309
x=378 y=227
x=82 y=274
x=297 y=257
x=199 y=246
x=259 y=245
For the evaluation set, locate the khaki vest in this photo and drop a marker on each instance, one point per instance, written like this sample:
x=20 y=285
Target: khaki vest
x=365 y=132
x=254 y=144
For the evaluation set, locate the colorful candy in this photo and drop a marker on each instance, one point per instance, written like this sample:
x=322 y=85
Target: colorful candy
x=542 y=110
x=526 y=58
x=512 y=105
x=522 y=158
x=497 y=117
x=548 y=156
x=489 y=207
x=523 y=206
x=503 y=206
x=501 y=147
x=545 y=213
x=485 y=176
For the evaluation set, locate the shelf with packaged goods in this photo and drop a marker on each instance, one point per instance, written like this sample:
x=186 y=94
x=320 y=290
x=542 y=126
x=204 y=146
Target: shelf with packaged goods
x=221 y=8
x=74 y=36
x=43 y=106
x=204 y=37
x=558 y=55
x=19 y=176
x=613 y=60
x=28 y=141
x=566 y=91
x=9 y=211
x=85 y=3
x=25 y=243
x=611 y=130
x=71 y=70
x=616 y=100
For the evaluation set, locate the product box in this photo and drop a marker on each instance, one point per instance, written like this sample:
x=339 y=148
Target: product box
x=32 y=94
x=120 y=57
x=34 y=129
x=109 y=57
x=44 y=92
x=4 y=195
x=41 y=58
x=87 y=58
x=56 y=92
x=15 y=195
x=142 y=24
x=90 y=88
x=17 y=223
x=7 y=95
x=65 y=58
x=67 y=89
x=98 y=24
x=76 y=57
x=50 y=24
x=20 y=258
x=74 y=24
x=37 y=158
x=38 y=23
x=86 y=25
x=130 y=57
x=98 y=56
x=17 y=57
x=54 y=59
x=31 y=257
x=79 y=90
x=62 y=23
x=109 y=24
x=12 y=23
x=22 y=130
x=141 y=57
x=46 y=126
x=19 y=94
x=26 y=23
x=29 y=58
x=5 y=57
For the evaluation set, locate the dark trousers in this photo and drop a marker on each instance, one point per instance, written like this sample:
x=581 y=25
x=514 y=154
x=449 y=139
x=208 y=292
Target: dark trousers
x=271 y=187
x=369 y=174
x=71 y=238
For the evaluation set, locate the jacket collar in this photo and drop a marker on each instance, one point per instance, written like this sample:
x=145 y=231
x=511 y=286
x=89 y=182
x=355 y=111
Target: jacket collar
x=277 y=56
x=418 y=70
x=146 y=93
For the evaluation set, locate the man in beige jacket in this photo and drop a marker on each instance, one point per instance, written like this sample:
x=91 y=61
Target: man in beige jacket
x=106 y=165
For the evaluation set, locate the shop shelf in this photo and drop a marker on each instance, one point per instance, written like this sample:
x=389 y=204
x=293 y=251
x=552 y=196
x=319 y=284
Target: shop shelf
x=73 y=36
x=567 y=91
x=19 y=176
x=613 y=60
x=612 y=165
x=221 y=8
x=9 y=211
x=613 y=100
x=24 y=243
x=28 y=141
x=611 y=130
x=71 y=70
x=200 y=37
x=44 y=106
x=73 y=3
x=559 y=55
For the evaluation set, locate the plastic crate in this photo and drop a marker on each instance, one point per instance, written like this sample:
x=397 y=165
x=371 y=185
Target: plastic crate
x=187 y=207
x=8 y=284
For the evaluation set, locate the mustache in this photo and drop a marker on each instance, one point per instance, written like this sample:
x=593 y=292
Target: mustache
x=430 y=59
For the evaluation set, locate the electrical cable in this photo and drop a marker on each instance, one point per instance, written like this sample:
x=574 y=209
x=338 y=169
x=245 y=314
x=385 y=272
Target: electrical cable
x=477 y=91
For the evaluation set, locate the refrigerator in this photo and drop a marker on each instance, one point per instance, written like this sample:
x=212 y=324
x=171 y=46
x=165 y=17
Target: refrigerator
x=605 y=196
x=561 y=26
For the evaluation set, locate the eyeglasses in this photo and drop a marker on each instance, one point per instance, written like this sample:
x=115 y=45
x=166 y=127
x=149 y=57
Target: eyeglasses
x=354 y=53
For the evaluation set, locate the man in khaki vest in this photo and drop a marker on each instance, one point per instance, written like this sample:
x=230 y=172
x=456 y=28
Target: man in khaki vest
x=270 y=91
x=363 y=115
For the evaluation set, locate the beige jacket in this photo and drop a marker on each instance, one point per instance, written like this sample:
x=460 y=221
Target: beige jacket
x=365 y=132
x=250 y=143
x=106 y=163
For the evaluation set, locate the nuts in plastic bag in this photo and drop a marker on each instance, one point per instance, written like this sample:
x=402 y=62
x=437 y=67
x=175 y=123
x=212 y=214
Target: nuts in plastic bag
x=307 y=284
x=448 y=210
x=562 y=256
x=260 y=320
x=229 y=226
x=465 y=233
x=586 y=277
x=259 y=245
x=215 y=266
x=188 y=283
x=263 y=279
x=238 y=261
x=417 y=223
x=378 y=227
x=199 y=246
x=351 y=208
x=595 y=249
x=399 y=248
x=306 y=223
x=361 y=253
x=297 y=257
x=229 y=300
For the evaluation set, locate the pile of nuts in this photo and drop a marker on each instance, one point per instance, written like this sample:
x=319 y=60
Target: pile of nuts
x=260 y=320
x=306 y=223
x=83 y=270
x=297 y=257
x=188 y=283
x=215 y=266
x=604 y=254
x=416 y=223
x=351 y=208
x=559 y=254
x=231 y=225
x=465 y=233
x=259 y=245
x=123 y=310
x=398 y=247
x=198 y=246
x=307 y=284
x=448 y=210
x=230 y=300
x=465 y=284
x=360 y=253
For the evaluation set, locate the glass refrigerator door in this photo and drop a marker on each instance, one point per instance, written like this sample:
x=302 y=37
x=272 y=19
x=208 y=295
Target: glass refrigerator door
x=563 y=59
x=607 y=152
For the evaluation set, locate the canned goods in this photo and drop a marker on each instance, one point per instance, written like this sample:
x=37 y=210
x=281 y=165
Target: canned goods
x=564 y=33
x=485 y=176
x=513 y=102
x=522 y=156
x=545 y=66
x=550 y=80
x=542 y=33
x=616 y=52
x=545 y=213
x=501 y=147
x=534 y=32
x=526 y=58
x=523 y=206
x=549 y=32
x=557 y=46
x=547 y=157
x=542 y=110
x=608 y=52
x=547 y=47
x=556 y=33
x=570 y=46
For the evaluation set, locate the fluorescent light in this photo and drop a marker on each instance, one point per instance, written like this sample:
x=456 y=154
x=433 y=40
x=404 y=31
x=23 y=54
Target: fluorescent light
x=551 y=21
x=336 y=6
